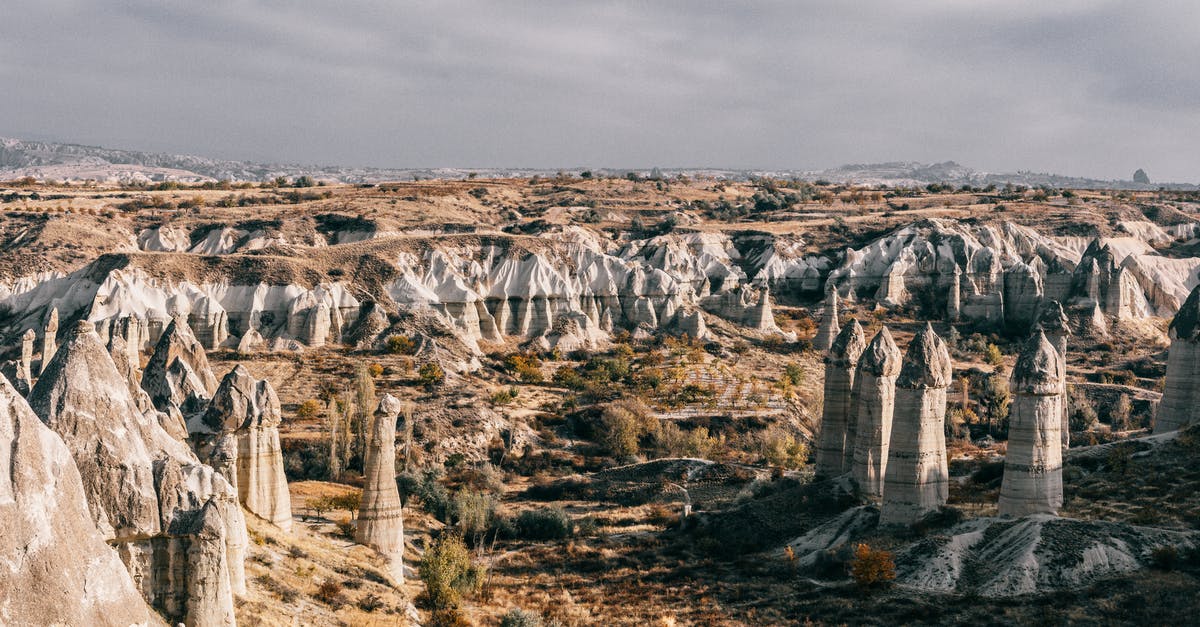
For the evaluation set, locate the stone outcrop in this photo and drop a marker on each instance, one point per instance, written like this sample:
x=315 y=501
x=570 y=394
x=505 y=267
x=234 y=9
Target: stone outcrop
x=238 y=435
x=916 y=481
x=380 y=517
x=57 y=568
x=876 y=383
x=174 y=522
x=829 y=328
x=25 y=365
x=1180 y=404
x=835 y=440
x=1032 y=481
x=49 y=338
x=177 y=377
x=1054 y=323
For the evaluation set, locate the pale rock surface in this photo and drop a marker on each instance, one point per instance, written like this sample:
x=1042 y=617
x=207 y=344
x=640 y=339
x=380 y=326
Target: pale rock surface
x=177 y=376
x=1054 y=323
x=829 y=328
x=1180 y=405
x=57 y=567
x=25 y=365
x=876 y=382
x=380 y=517
x=916 y=481
x=1033 y=464
x=836 y=438
x=147 y=492
x=242 y=422
x=49 y=337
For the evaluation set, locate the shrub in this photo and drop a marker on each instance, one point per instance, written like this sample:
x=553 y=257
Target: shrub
x=793 y=374
x=525 y=366
x=448 y=572
x=330 y=593
x=504 y=397
x=518 y=617
x=400 y=345
x=624 y=424
x=871 y=567
x=375 y=370
x=992 y=355
x=370 y=603
x=308 y=409
x=431 y=375
x=546 y=523
x=473 y=512
x=783 y=450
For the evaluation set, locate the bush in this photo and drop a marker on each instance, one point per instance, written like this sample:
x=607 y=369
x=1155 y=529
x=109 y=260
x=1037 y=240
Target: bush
x=525 y=366
x=308 y=409
x=431 y=375
x=793 y=374
x=504 y=397
x=518 y=617
x=330 y=593
x=473 y=512
x=375 y=370
x=546 y=523
x=448 y=572
x=872 y=567
x=400 y=345
x=370 y=603
x=783 y=450
x=992 y=355
x=624 y=424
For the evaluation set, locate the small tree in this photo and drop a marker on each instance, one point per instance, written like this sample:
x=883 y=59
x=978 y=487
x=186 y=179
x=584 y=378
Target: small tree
x=448 y=573
x=872 y=567
x=308 y=409
x=431 y=375
x=993 y=356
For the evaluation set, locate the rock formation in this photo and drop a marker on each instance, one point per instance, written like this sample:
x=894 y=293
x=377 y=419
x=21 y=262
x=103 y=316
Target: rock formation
x=1032 y=481
x=380 y=519
x=238 y=435
x=1054 y=323
x=876 y=384
x=835 y=440
x=829 y=328
x=49 y=338
x=24 y=374
x=916 y=481
x=177 y=377
x=174 y=522
x=57 y=568
x=1180 y=405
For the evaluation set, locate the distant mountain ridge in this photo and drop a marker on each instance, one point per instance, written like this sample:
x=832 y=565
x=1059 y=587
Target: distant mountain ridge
x=75 y=162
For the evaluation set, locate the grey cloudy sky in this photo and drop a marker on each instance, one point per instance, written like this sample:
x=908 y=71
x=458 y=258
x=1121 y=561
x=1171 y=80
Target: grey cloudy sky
x=1087 y=88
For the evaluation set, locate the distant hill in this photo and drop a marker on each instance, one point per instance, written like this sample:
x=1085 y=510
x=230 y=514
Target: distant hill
x=75 y=162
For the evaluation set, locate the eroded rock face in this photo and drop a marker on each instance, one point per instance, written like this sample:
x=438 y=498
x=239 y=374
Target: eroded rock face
x=876 y=382
x=147 y=492
x=49 y=337
x=835 y=442
x=1180 y=404
x=62 y=570
x=1052 y=320
x=238 y=434
x=177 y=377
x=1032 y=481
x=916 y=481
x=24 y=366
x=829 y=328
x=380 y=518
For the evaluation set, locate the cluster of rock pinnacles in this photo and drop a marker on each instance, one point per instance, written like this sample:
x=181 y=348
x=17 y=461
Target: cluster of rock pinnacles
x=144 y=478
x=884 y=421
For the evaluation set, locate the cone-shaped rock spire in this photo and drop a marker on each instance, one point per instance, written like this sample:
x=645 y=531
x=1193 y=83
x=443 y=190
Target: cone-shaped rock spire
x=380 y=520
x=829 y=328
x=1179 y=406
x=876 y=382
x=243 y=419
x=916 y=480
x=835 y=442
x=1033 y=465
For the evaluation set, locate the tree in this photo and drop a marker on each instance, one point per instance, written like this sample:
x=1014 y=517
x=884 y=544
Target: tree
x=333 y=418
x=448 y=573
x=993 y=356
x=872 y=567
x=308 y=409
x=431 y=374
x=994 y=397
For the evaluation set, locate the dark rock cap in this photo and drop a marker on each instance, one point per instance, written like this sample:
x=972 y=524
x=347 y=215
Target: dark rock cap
x=1039 y=369
x=1186 y=323
x=927 y=362
x=847 y=346
x=882 y=357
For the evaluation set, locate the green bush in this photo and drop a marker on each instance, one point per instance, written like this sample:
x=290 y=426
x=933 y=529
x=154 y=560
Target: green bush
x=431 y=374
x=448 y=573
x=546 y=523
x=518 y=617
x=400 y=345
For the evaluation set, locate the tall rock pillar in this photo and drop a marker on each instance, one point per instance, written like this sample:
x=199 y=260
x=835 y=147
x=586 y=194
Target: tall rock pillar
x=1032 y=481
x=49 y=338
x=876 y=383
x=1180 y=405
x=835 y=441
x=829 y=328
x=380 y=520
x=917 y=478
x=1054 y=323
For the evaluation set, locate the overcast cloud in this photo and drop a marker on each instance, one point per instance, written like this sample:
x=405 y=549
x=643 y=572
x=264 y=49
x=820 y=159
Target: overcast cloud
x=1082 y=88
